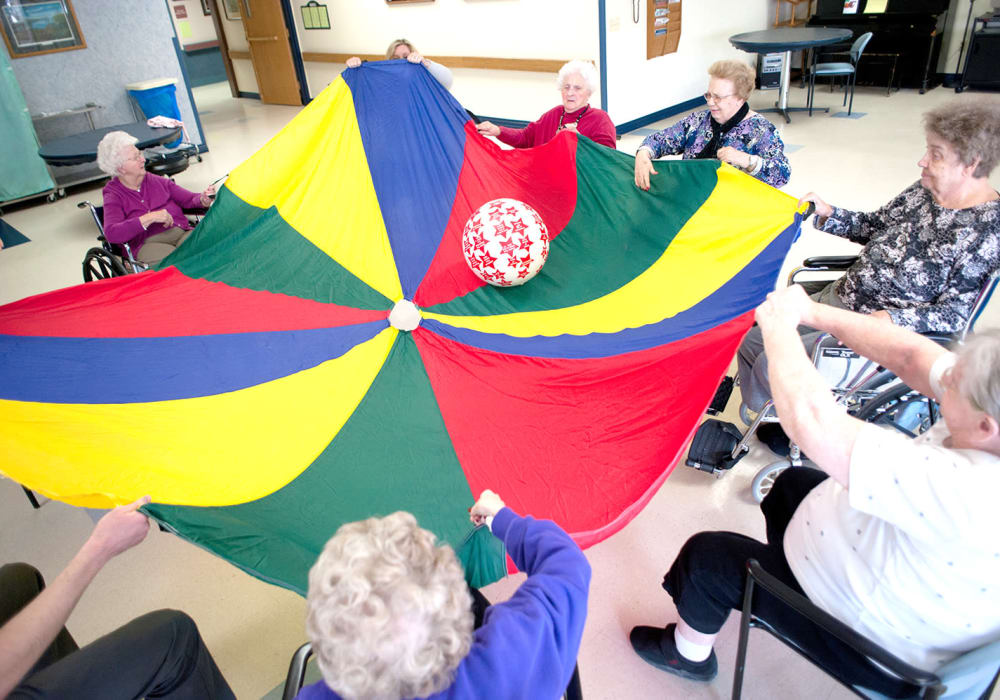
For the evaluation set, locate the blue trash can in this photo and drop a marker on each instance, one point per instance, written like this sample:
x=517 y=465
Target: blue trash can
x=157 y=98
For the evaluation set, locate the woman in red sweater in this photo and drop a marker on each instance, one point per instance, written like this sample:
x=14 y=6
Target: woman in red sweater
x=142 y=210
x=577 y=82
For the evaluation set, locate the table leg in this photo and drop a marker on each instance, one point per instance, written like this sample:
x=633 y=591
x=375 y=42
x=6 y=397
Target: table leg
x=786 y=72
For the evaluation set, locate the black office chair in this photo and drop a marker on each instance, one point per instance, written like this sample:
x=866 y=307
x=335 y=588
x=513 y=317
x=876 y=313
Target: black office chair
x=830 y=70
x=972 y=675
x=297 y=674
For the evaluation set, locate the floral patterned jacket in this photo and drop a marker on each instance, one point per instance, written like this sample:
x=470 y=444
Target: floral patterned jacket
x=754 y=135
x=921 y=262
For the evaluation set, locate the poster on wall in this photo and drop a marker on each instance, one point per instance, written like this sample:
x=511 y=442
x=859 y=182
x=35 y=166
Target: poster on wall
x=231 y=8
x=663 y=27
x=180 y=11
x=32 y=27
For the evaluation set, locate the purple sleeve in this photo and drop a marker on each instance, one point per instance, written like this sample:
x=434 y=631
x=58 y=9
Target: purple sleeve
x=118 y=226
x=775 y=170
x=185 y=198
x=527 y=646
x=673 y=139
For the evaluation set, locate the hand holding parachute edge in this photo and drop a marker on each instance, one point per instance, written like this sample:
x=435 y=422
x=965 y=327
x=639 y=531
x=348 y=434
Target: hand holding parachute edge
x=120 y=529
x=488 y=505
x=643 y=169
x=816 y=203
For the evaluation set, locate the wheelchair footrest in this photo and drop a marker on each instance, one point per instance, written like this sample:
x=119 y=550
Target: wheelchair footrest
x=721 y=397
x=713 y=445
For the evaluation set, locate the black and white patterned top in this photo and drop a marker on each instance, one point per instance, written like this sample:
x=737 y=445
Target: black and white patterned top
x=921 y=262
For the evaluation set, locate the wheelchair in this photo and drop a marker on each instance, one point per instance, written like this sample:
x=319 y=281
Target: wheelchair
x=868 y=392
x=109 y=259
x=115 y=259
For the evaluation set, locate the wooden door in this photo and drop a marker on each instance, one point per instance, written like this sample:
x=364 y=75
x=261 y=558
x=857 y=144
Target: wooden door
x=271 y=52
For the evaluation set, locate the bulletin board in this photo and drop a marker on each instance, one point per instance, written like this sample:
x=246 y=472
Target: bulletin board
x=663 y=27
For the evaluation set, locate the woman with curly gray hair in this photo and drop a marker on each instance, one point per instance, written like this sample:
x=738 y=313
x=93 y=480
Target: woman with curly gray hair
x=926 y=253
x=142 y=210
x=389 y=613
x=577 y=81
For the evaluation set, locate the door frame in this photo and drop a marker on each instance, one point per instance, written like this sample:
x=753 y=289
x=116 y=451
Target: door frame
x=293 y=43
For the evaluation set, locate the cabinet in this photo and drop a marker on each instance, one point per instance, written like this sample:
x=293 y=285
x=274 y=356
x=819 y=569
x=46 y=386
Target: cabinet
x=65 y=176
x=982 y=63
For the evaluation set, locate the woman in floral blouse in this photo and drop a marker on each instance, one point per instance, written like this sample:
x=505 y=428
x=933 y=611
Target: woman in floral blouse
x=727 y=130
x=926 y=253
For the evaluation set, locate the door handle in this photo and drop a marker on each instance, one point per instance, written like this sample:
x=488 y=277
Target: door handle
x=246 y=4
x=262 y=38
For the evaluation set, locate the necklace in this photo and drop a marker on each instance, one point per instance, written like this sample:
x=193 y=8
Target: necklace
x=575 y=121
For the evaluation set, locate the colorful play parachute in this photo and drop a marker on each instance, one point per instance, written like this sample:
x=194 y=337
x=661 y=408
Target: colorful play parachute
x=256 y=389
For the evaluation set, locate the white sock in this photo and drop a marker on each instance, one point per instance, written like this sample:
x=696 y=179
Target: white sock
x=689 y=650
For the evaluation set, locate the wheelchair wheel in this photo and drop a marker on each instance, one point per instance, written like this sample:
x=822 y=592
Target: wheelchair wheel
x=764 y=480
x=902 y=408
x=99 y=264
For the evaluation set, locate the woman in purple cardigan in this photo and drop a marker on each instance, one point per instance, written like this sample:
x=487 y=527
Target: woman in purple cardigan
x=142 y=210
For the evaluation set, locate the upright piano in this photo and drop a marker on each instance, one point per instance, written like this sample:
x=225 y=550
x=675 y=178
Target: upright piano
x=911 y=29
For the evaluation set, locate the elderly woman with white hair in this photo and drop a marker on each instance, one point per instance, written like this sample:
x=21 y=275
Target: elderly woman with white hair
x=143 y=210
x=577 y=82
x=728 y=130
x=390 y=615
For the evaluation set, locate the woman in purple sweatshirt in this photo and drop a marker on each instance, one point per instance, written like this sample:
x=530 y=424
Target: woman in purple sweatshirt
x=142 y=210
x=389 y=613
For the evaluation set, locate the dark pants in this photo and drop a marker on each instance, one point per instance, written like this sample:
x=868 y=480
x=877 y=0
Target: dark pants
x=708 y=576
x=158 y=655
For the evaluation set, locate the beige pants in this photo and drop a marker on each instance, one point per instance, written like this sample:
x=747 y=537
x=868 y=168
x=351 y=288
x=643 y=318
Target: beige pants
x=160 y=245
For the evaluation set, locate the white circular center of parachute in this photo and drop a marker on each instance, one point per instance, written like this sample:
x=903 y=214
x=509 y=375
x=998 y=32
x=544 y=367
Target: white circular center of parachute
x=404 y=316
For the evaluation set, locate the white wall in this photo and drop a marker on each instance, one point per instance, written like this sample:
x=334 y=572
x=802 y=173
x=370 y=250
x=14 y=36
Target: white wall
x=637 y=86
x=197 y=22
x=544 y=29
x=552 y=29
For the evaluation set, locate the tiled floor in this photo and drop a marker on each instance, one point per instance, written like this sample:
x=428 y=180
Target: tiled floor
x=252 y=627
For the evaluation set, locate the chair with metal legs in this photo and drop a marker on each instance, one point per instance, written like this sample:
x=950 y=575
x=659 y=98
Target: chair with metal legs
x=830 y=70
x=971 y=676
x=297 y=675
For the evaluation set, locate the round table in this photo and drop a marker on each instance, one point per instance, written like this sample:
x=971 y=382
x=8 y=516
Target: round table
x=787 y=39
x=82 y=148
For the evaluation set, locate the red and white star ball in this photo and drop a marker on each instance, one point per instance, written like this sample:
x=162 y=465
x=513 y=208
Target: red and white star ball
x=505 y=242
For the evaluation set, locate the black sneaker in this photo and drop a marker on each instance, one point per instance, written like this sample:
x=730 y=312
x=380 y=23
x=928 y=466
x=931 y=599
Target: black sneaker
x=775 y=438
x=655 y=646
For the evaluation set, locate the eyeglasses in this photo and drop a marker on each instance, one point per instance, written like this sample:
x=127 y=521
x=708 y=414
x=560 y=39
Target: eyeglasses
x=712 y=97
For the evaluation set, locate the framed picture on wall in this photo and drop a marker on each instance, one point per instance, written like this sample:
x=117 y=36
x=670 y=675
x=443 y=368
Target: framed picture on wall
x=33 y=27
x=231 y=8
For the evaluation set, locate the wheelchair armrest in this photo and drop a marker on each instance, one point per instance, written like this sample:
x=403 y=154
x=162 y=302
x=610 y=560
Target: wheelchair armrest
x=829 y=262
x=803 y=606
x=944 y=339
